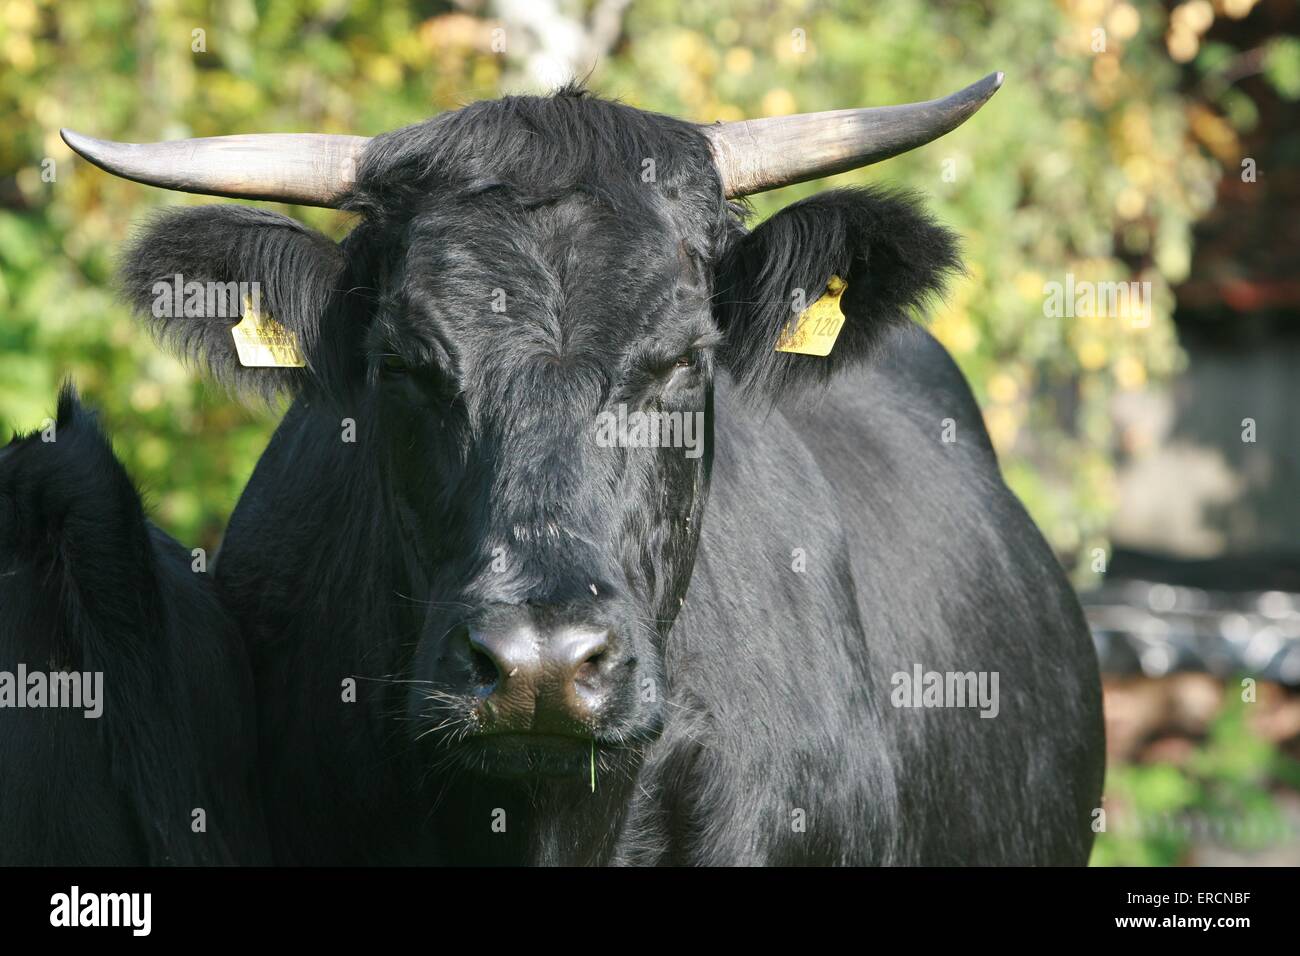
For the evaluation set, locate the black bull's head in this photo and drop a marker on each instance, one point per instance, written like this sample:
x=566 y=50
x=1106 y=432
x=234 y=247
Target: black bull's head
x=527 y=279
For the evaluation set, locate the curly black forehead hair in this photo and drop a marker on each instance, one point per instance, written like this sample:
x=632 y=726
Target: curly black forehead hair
x=540 y=149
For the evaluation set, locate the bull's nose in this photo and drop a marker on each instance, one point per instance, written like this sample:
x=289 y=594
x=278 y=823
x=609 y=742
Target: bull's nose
x=553 y=682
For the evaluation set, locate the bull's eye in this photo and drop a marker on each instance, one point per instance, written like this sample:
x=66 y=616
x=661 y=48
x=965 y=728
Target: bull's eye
x=394 y=365
x=683 y=370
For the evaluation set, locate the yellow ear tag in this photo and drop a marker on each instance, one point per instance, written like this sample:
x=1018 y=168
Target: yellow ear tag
x=263 y=342
x=817 y=327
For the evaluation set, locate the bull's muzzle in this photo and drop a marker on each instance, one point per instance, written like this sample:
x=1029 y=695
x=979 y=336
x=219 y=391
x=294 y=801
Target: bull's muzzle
x=542 y=681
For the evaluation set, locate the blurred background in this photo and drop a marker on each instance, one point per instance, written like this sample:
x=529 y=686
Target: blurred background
x=1154 y=142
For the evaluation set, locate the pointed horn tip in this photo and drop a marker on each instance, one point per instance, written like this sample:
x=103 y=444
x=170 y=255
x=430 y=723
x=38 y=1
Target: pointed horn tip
x=990 y=85
x=980 y=92
x=80 y=143
x=71 y=137
x=97 y=152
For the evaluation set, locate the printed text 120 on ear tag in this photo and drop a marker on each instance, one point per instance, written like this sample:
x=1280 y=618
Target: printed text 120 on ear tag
x=817 y=327
x=263 y=342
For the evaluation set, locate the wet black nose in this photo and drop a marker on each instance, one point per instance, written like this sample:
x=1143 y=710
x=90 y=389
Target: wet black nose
x=553 y=681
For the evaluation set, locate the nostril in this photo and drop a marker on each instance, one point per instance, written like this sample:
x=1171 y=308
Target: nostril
x=589 y=671
x=593 y=663
x=483 y=668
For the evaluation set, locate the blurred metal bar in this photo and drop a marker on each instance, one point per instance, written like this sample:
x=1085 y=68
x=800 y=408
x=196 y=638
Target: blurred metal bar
x=1153 y=628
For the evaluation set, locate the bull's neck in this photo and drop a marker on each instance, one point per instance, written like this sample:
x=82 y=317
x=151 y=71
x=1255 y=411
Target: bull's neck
x=553 y=822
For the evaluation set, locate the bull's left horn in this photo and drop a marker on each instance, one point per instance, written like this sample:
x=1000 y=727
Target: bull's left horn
x=311 y=169
x=756 y=155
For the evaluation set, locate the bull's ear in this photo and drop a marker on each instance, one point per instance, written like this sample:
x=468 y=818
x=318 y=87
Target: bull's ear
x=187 y=275
x=892 y=254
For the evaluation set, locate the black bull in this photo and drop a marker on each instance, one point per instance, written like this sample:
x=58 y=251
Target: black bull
x=479 y=634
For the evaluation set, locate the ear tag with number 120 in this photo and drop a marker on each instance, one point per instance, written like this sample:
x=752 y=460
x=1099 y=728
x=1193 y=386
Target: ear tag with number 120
x=263 y=342
x=817 y=327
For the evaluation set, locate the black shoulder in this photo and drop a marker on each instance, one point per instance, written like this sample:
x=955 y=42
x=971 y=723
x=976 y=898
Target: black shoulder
x=72 y=526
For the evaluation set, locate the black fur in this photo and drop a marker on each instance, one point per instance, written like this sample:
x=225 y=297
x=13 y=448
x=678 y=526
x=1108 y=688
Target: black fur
x=474 y=484
x=87 y=584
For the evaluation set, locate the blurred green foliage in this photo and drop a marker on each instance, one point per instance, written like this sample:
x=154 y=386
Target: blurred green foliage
x=1083 y=163
x=1222 y=795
